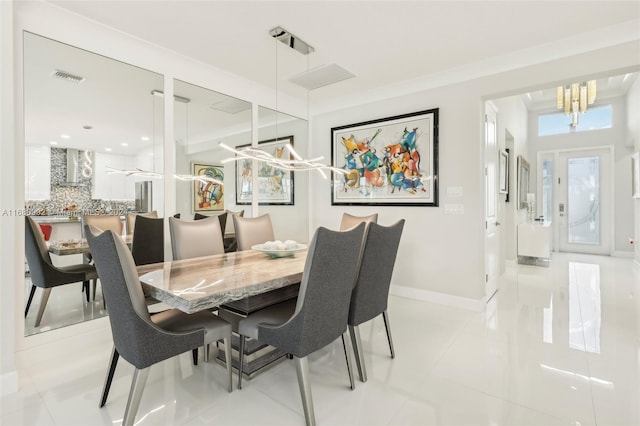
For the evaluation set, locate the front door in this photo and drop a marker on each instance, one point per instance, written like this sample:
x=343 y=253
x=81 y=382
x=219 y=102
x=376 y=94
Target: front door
x=584 y=201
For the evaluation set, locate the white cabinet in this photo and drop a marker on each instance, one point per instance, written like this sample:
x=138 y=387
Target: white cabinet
x=113 y=186
x=37 y=173
x=534 y=240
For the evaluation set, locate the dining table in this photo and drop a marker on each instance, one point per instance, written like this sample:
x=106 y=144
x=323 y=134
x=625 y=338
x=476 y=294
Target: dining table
x=237 y=283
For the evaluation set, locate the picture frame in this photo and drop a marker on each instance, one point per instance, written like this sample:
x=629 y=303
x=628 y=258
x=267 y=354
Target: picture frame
x=391 y=161
x=275 y=186
x=635 y=175
x=523 y=182
x=504 y=173
x=207 y=196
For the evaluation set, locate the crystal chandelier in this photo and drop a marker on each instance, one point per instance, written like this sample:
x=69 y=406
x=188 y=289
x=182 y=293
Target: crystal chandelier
x=575 y=97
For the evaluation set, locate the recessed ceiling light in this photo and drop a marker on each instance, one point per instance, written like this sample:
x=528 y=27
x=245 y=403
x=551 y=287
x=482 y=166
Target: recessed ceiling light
x=145 y=138
x=87 y=127
x=108 y=149
x=53 y=143
x=65 y=136
x=124 y=144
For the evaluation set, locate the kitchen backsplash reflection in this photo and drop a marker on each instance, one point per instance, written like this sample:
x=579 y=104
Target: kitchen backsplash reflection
x=63 y=197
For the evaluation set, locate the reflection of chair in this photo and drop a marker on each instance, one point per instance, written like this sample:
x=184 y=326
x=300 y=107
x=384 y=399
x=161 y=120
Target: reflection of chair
x=349 y=221
x=195 y=238
x=252 y=231
x=147 y=242
x=230 y=242
x=131 y=220
x=369 y=297
x=320 y=314
x=222 y=217
x=141 y=339
x=104 y=222
x=43 y=273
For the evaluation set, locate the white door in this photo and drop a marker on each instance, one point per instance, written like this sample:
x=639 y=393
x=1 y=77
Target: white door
x=584 y=201
x=492 y=239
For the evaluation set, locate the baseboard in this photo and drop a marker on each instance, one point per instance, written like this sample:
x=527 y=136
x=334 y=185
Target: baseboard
x=9 y=383
x=620 y=253
x=477 y=305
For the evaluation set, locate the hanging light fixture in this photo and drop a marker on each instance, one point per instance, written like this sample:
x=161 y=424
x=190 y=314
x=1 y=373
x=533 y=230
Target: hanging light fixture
x=575 y=97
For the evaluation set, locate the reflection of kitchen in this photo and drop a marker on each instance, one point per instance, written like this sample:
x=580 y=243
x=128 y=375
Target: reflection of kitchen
x=62 y=184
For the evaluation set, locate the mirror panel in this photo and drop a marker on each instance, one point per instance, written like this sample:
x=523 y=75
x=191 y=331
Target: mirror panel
x=203 y=119
x=290 y=222
x=84 y=108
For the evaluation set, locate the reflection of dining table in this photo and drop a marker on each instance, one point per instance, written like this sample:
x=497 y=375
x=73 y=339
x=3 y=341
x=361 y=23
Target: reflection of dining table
x=193 y=285
x=80 y=246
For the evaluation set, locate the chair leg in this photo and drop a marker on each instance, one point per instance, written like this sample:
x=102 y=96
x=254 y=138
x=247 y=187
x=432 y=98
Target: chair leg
x=228 y=358
x=302 y=370
x=243 y=340
x=43 y=304
x=354 y=331
x=385 y=316
x=135 y=394
x=347 y=357
x=195 y=356
x=110 y=371
x=95 y=285
x=206 y=353
x=33 y=291
x=87 y=292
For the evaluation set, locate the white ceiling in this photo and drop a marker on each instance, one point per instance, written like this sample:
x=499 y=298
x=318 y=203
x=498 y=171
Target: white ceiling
x=382 y=42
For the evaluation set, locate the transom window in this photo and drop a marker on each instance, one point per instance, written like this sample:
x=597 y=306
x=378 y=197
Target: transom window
x=557 y=123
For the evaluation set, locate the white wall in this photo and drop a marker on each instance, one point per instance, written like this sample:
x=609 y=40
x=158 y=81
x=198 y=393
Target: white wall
x=633 y=139
x=439 y=253
x=617 y=136
x=512 y=118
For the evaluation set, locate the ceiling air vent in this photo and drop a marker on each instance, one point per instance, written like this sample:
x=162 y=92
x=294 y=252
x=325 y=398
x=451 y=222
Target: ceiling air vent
x=321 y=76
x=63 y=75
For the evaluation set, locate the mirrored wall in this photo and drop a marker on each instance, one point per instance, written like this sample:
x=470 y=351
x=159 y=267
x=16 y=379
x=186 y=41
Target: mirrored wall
x=84 y=113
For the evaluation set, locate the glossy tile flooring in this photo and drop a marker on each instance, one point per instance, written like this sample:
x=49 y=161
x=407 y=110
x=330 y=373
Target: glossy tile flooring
x=556 y=346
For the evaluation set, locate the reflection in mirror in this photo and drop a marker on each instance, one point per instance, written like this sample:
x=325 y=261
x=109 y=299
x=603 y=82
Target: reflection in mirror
x=202 y=119
x=290 y=222
x=82 y=113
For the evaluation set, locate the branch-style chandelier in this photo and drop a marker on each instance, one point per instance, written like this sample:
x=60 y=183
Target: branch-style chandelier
x=575 y=97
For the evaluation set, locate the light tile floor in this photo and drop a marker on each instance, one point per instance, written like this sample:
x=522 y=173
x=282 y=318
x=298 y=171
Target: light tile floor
x=556 y=346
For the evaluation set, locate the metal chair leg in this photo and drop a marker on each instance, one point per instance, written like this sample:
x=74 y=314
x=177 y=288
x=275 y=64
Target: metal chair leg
x=95 y=285
x=107 y=381
x=302 y=370
x=387 y=326
x=206 y=353
x=43 y=304
x=354 y=331
x=347 y=357
x=33 y=291
x=228 y=358
x=194 y=352
x=240 y=358
x=135 y=394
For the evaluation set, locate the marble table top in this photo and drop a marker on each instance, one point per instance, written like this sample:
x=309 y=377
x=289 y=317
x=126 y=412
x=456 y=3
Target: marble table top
x=193 y=285
x=79 y=246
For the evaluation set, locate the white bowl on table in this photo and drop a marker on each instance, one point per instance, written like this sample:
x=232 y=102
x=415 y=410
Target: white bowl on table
x=277 y=249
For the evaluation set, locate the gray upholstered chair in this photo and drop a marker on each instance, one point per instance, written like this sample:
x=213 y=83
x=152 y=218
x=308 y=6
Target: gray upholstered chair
x=139 y=338
x=44 y=274
x=252 y=230
x=222 y=217
x=131 y=220
x=370 y=295
x=147 y=241
x=195 y=238
x=349 y=221
x=104 y=222
x=230 y=242
x=319 y=316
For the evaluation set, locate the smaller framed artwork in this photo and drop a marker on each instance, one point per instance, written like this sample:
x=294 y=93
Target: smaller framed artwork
x=207 y=196
x=635 y=175
x=523 y=182
x=275 y=186
x=504 y=172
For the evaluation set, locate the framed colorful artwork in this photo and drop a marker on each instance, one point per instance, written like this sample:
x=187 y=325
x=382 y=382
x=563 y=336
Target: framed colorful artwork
x=207 y=196
x=390 y=161
x=275 y=186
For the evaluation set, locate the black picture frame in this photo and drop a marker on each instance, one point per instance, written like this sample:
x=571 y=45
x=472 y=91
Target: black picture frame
x=391 y=161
